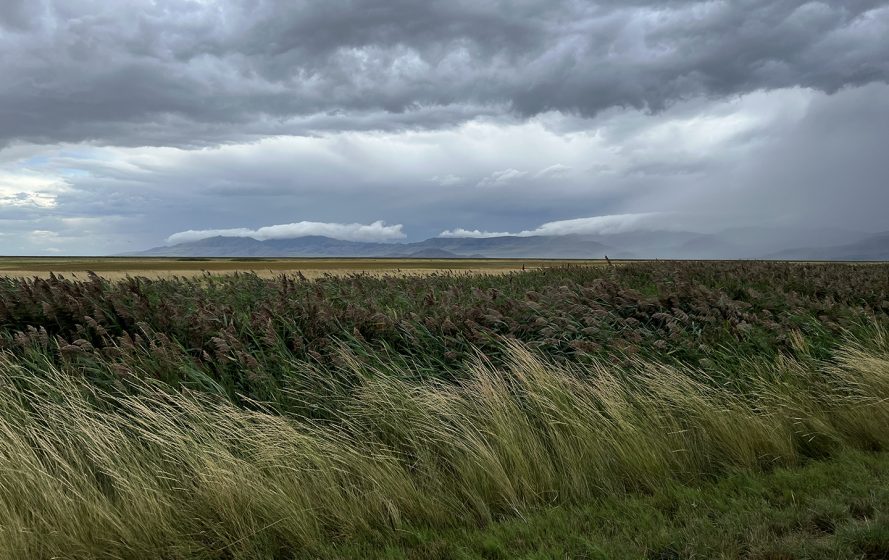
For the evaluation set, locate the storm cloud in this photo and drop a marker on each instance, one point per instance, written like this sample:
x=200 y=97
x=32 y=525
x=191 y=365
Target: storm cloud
x=188 y=73
x=123 y=125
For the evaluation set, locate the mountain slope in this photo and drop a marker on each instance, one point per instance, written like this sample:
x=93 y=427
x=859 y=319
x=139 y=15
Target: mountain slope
x=871 y=248
x=553 y=247
x=568 y=246
x=749 y=243
x=309 y=246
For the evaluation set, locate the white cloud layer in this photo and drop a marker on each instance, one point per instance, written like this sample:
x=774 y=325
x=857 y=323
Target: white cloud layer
x=502 y=177
x=596 y=225
x=448 y=180
x=474 y=233
x=377 y=231
x=553 y=172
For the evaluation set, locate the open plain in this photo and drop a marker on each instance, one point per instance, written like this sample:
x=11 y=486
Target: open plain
x=120 y=267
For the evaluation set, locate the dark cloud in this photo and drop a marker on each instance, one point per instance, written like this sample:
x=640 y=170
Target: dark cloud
x=194 y=73
x=825 y=169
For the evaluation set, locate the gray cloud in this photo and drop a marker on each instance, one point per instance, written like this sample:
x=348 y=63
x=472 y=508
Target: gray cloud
x=793 y=157
x=502 y=177
x=122 y=123
x=185 y=73
x=828 y=170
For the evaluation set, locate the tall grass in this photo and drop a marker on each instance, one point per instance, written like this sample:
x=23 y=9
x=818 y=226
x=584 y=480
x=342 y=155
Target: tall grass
x=238 y=335
x=163 y=473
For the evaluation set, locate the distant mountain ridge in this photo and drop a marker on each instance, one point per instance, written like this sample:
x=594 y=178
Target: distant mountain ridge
x=739 y=243
x=871 y=248
x=567 y=247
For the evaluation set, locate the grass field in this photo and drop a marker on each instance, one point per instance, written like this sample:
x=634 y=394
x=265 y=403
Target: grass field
x=649 y=410
x=836 y=508
x=119 y=267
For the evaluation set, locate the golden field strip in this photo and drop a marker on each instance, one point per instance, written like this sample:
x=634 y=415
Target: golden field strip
x=120 y=267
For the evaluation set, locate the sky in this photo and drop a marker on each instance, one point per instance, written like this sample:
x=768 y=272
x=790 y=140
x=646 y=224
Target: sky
x=129 y=125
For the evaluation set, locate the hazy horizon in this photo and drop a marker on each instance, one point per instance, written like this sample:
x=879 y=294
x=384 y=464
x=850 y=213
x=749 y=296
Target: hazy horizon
x=127 y=126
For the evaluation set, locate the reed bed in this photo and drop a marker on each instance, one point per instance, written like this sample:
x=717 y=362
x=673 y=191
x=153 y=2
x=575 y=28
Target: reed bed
x=246 y=335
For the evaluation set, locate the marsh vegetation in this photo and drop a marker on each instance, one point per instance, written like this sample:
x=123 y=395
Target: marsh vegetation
x=448 y=415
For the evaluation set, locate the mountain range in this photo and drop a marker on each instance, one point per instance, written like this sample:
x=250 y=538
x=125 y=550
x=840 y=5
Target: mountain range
x=738 y=243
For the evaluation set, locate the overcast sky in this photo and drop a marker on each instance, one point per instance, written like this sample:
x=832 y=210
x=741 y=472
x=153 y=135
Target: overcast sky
x=127 y=125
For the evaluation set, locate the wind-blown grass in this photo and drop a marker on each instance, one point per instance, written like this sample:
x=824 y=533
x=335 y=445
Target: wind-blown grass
x=161 y=473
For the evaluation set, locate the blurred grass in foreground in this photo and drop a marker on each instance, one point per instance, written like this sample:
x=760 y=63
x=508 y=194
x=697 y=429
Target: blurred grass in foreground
x=156 y=472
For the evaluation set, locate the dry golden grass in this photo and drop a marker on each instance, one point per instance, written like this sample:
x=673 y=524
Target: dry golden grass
x=114 y=268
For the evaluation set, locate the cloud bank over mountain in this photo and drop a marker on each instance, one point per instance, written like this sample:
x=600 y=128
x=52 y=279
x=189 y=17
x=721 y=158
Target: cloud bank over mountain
x=377 y=231
x=596 y=225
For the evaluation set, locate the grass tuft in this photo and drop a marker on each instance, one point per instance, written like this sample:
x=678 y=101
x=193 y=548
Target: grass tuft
x=176 y=473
